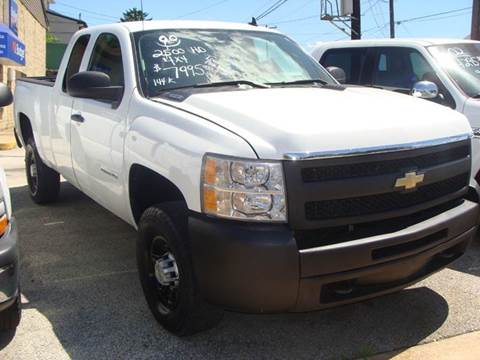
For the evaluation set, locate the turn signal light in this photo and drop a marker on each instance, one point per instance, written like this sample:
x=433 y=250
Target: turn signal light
x=3 y=224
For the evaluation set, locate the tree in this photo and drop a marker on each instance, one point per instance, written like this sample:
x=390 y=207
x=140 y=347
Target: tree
x=134 y=14
x=51 y=39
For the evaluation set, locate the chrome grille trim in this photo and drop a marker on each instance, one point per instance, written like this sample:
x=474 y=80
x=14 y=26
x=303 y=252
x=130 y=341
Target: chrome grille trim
x=296 y=156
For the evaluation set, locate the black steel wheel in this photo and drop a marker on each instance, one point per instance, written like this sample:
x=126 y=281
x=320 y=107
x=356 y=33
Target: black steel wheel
x=43 y=182
x=166 y=272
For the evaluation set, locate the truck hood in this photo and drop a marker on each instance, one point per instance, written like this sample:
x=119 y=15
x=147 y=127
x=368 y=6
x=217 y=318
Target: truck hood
x=278 y=121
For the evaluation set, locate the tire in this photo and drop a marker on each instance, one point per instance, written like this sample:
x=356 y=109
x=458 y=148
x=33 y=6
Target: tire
x=43 y=182
x=10 y=317
x=162 y=240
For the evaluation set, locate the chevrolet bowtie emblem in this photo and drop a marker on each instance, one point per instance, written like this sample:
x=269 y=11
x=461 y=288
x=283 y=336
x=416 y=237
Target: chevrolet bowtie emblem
x=410 y=181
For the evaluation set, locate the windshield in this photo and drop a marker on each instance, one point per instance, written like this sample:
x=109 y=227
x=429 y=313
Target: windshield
x=462 y=63
x=172 y=59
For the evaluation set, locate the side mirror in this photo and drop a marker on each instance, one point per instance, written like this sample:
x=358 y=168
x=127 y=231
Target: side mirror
x=338 y=74
x=93 y=85
x=6 y=97
x=424 y=90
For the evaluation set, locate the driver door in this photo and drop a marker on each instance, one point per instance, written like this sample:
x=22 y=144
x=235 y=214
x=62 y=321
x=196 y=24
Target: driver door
x=98 y=129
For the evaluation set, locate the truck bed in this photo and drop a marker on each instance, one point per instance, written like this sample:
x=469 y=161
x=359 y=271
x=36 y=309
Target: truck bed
x=40 y=80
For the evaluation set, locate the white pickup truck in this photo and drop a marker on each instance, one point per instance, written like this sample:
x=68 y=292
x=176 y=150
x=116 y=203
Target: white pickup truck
x=257 y=183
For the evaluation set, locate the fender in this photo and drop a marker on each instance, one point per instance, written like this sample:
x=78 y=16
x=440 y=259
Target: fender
x=172 y=143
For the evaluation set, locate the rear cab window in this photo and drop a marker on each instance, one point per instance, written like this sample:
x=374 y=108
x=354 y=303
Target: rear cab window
x=75 y=60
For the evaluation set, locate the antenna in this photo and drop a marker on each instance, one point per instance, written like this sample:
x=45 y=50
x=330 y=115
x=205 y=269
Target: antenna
x=143 y=18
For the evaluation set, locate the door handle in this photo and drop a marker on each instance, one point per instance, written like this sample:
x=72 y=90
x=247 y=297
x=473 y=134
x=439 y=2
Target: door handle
x=78 y=118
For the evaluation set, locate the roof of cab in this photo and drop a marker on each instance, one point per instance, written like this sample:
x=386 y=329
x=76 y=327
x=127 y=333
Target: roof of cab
x=387 y=42
x=136 y=26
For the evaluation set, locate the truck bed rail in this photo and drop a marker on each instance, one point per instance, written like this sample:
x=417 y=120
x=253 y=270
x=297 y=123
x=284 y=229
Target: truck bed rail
x=39 y=80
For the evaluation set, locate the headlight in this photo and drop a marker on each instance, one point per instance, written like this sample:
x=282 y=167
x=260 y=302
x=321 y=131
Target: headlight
x=243 y=189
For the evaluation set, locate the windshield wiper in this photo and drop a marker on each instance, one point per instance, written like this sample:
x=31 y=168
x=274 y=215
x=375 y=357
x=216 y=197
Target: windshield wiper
x=300 y=82
x=218 y=84
x=231 y=83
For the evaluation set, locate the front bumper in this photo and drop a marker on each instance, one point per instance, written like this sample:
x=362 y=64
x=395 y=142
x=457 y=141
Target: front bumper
x=9 y=279
x=259 y=268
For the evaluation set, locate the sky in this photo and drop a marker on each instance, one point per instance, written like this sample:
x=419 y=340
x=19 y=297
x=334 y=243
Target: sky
x=300 y=19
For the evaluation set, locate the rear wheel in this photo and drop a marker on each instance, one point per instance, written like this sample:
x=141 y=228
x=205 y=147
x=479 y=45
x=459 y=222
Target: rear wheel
x=43 y=182
x=166 y=272
x=10 y=317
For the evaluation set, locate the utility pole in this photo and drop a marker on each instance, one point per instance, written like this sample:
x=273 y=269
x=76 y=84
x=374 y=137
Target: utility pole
x=356 y=20
x=392 y=20
x=475 y=32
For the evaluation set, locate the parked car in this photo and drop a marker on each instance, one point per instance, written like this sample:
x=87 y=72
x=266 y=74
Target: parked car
x=445 y=71
x=10 y=302
x=256 y=182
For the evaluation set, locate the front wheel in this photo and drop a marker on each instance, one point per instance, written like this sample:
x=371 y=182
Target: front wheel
x=166 y=272
x=43 y=182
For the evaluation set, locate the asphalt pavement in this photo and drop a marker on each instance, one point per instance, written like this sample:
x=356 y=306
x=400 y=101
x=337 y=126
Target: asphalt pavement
x=82 y=299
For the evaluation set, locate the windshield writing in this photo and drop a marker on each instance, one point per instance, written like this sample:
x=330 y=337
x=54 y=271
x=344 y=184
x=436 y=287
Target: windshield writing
x=181 y=58
x=462 y=63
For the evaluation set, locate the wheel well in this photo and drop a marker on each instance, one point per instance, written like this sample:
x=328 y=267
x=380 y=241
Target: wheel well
x=147 y=188
x=25 y=127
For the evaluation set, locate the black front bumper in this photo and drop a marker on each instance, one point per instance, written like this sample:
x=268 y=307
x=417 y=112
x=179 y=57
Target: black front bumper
x=9 y=279
x=259 y=268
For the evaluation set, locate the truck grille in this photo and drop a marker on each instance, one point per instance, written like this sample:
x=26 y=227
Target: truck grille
x=358 y=189
x=315 y=174
x=365 y=205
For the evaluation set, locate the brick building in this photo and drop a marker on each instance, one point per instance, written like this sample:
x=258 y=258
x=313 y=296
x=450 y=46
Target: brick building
x=23 y=31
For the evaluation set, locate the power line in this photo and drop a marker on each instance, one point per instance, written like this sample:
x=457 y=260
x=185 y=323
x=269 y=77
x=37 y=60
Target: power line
x=84 y=10
x=374 y=14
x=97 y=21
x=271 y=9
x=296 y=10
x=432 y=15
x=444 y=17
x=295 y=20
x=314 y=33
x=370 y=7
x=203 y=9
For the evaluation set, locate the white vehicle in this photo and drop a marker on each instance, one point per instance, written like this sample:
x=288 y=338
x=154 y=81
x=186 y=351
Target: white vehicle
x=257 y=183
x=446 y=71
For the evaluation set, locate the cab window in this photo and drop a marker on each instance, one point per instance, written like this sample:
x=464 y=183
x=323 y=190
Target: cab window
x=351 y=60
x=400 y=68
x=107 y=58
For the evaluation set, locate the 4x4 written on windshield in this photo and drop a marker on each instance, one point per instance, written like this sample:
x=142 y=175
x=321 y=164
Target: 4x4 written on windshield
x=173 y=61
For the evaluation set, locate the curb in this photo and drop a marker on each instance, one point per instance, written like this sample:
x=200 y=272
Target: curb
x=460 y=347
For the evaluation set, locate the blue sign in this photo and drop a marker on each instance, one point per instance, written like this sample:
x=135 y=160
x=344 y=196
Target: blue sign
x=12 y=50
x=13 y=17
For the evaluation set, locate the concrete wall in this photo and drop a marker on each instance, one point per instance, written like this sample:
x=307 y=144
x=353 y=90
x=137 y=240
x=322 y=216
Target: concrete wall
x=33 y=35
